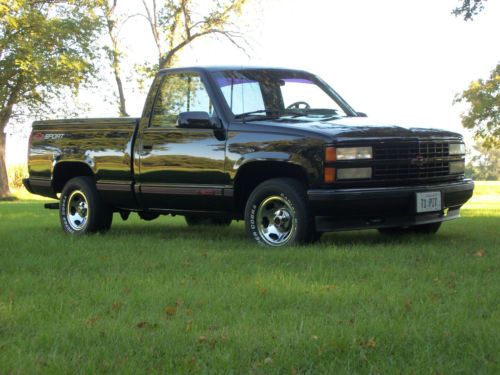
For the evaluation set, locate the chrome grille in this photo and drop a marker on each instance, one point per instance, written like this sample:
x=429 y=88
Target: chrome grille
x=411 y=160
x=429 y=170
x=410 y=150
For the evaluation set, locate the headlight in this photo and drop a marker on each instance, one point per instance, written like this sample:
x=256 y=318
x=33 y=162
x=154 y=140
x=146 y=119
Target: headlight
x=457 y=149
x=457 y=167
x=354 y=153
x=353 y=173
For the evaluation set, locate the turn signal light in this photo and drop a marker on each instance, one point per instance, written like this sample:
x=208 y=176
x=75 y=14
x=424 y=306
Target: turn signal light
x=329 y=175
x=330 y=154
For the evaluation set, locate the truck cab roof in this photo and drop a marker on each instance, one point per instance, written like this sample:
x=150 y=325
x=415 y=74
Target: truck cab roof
x=218 y=68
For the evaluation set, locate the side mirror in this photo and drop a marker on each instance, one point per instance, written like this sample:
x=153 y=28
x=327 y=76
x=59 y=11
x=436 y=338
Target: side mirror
x=361 y=114
x=197 y=120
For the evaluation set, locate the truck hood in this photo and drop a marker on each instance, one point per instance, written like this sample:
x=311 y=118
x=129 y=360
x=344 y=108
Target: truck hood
x=351 y=128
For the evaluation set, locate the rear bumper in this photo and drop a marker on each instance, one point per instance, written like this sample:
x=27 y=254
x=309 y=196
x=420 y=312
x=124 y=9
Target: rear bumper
x=39 y=186
x=27 y=185
x=344 y=209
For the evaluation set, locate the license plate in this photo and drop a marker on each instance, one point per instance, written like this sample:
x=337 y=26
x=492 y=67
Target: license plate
x=429 y=201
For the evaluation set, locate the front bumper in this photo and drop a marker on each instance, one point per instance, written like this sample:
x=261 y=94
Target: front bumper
x=364 y=208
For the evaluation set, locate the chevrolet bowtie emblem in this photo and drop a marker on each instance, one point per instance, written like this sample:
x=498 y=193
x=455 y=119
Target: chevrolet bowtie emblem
x=418 y=161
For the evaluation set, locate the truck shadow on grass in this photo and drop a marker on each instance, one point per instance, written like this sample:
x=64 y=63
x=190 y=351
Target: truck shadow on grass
x=467 y=229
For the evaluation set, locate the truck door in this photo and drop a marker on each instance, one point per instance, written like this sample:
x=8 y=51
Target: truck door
x=181 y=168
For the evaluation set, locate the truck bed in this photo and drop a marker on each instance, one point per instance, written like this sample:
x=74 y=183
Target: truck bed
x=104 y=144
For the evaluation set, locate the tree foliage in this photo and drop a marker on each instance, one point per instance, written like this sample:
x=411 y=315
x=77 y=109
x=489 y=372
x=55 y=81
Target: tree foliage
x=46 y=47
x=482 y=96
x=484 y=163
x=174 y=24
x=483 y=116
x=468 y=9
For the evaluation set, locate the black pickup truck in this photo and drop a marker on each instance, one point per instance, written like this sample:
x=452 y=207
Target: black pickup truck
x=278 y=148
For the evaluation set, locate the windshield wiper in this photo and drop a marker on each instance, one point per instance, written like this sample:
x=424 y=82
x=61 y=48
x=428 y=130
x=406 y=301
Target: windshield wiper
x=246 y=114
x=275 y=114
x=325 y=112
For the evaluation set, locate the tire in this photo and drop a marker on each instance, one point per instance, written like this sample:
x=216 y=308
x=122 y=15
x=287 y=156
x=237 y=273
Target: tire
x=430 y=228
x=81 y=209
x=277 y=214
x=193 y=221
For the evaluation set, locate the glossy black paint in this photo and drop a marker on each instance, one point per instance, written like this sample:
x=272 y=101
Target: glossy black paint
x=192 y=168
x=181 y=158
x=197 y=120
x=364 y=208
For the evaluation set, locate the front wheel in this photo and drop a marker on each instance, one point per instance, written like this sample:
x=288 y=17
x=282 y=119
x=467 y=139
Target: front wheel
x=277 y=214
x=81 y=209
x=430 y=228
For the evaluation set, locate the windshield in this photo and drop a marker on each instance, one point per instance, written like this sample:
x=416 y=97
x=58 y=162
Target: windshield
x=273 y=94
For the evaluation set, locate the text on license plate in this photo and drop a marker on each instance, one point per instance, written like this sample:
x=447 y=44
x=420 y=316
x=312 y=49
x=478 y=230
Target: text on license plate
x=429 y=201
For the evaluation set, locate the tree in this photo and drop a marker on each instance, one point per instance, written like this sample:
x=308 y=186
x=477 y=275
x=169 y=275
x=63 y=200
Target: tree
x=469 y=9
x=113 y=51
x=484 y=163
x=46 y=47
x=176 y=23
x=483 y=96
x=483 y=116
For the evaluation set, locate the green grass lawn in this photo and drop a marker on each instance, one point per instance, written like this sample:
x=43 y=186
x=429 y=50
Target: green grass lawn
x=162 y=297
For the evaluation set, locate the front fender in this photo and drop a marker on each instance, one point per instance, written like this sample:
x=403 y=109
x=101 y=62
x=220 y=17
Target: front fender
x=301 y=151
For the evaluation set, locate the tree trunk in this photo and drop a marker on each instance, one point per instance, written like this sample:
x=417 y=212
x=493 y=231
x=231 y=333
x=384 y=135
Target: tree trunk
x=115 y=53
x=121 y=95
x=168 y=60
x=5 y=114
x=4 y=181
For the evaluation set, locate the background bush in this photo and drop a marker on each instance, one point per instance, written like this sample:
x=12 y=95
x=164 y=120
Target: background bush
x=16 y=174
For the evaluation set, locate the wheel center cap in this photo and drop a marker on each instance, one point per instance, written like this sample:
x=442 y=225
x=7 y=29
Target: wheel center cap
x=281 y=218
x=81 y=208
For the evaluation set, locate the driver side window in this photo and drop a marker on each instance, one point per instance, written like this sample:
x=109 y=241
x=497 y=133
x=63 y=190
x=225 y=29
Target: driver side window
x=178 y=93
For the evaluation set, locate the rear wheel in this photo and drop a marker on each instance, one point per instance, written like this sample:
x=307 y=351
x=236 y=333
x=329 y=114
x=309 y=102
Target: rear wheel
x=430 y=228
x=277 y=214
x=192 y=220
x=81 y=209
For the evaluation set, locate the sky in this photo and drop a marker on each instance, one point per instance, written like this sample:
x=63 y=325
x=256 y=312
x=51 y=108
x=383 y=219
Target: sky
x=401 y=62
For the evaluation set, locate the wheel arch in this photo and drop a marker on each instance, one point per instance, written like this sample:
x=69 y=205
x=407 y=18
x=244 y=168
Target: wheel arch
x=251 y=174
x=66 y=170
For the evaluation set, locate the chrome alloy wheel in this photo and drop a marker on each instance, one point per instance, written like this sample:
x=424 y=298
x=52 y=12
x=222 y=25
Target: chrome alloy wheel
x=276 y=221
x=77 y=210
